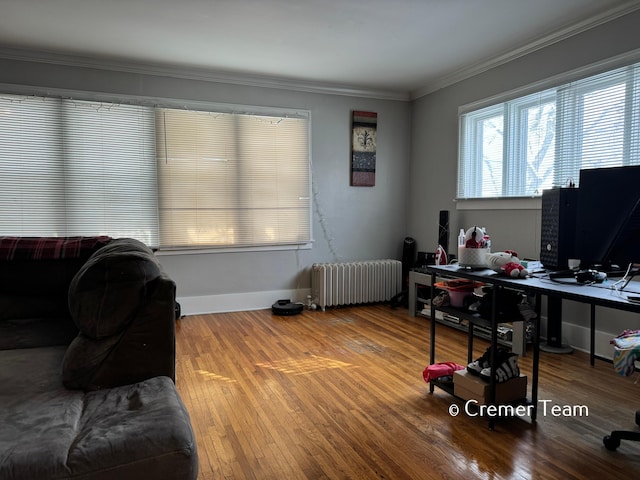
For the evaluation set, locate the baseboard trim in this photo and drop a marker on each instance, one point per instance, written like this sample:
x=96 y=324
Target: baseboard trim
x=579 y=338
x=237 y=302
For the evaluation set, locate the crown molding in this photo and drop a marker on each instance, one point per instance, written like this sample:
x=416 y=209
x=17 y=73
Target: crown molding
x=198 y=74
x=531 y=47
x=315 y=87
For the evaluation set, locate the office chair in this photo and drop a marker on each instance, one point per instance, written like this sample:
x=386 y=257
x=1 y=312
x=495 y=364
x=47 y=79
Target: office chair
x=613 y=441
x=626 y=352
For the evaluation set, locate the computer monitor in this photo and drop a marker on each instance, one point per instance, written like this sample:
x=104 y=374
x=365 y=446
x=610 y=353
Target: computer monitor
x=608 y=218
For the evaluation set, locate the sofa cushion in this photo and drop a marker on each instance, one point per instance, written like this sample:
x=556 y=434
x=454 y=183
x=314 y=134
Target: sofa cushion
x=135 y=431
x=107 y=291
x=35 y=274
x=36 y=332
x=39 y=418
x=130 y=432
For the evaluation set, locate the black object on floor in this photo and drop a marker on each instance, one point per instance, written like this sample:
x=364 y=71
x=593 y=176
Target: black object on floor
x=285 y=307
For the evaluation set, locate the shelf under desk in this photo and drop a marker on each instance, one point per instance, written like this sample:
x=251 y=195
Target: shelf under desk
x=596 y=295
x=593 y=295
x=489 y=278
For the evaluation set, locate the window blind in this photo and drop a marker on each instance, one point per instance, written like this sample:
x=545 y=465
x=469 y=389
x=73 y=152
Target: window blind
x=110 y=170
x=525 y=145
x=598 y=122
x=172 y=178
x=231 y=179
x=70 y=167
x=32 y=196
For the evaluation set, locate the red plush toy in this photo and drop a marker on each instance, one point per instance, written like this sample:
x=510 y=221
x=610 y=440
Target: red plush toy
x=512 y=269
x=507 y=262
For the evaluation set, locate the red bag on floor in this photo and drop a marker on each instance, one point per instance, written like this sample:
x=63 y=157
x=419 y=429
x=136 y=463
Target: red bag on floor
x=437 y=370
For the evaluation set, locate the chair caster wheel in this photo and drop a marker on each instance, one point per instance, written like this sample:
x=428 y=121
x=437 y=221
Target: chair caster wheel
x=611 y=443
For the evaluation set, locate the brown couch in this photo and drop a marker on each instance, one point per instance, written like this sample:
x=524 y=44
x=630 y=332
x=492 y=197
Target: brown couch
x=87 y=363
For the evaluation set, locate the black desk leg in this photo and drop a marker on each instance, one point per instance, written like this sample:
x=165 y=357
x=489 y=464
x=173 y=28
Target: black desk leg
x=492 y=355
x=536 y=360
x=432 y=329
x=592 y=350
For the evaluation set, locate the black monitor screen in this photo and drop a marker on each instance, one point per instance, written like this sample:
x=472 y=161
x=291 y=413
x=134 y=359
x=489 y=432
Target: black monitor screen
x=608 y=218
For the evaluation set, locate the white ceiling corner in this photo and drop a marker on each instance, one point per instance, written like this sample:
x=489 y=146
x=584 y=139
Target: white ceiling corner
x=397 y=49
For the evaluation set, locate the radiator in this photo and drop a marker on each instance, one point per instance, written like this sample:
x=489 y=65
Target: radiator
x=352 y=283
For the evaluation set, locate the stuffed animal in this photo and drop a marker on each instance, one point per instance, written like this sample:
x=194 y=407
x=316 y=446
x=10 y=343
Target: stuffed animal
x=507 y=262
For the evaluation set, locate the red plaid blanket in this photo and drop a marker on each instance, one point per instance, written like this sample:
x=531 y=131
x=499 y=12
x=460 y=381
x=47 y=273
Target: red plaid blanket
x=48 y=248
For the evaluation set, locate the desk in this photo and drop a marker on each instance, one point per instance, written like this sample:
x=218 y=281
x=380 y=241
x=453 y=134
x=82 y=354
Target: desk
x=593 y=295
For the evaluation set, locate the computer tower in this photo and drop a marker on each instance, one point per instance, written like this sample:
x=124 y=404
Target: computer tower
x=557 y=236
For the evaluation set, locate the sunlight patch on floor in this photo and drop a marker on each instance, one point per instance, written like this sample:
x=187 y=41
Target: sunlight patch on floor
x=304 y=366
x=215 y=376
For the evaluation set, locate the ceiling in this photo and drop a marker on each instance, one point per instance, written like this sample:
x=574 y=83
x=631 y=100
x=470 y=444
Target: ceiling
x=407 y=47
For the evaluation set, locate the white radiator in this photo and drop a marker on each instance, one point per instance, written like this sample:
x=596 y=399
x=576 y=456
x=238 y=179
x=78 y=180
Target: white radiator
x=351 y=283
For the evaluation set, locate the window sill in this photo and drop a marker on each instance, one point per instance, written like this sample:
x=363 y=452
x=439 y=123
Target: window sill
x=210 y=250
x=514 y=203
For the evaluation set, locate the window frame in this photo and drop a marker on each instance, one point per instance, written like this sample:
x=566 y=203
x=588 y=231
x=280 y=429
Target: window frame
x=266 y=113
x=475 y=199
x=181 y=104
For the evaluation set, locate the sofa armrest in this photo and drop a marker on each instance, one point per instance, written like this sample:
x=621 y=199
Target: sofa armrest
x=124 y=306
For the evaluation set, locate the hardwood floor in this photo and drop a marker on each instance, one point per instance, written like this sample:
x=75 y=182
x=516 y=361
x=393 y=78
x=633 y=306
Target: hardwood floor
x=339 y=394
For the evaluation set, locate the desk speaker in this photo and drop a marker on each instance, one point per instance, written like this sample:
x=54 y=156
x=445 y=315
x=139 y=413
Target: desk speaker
x=557 y=236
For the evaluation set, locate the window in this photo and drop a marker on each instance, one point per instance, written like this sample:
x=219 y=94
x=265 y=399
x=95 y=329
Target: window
x=69 y=167
x=521 y=147
x=171 y=178
x=229 y=179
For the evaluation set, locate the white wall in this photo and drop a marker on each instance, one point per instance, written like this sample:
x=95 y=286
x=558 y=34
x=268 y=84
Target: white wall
x=434 y=160
x=416 y=173
x=350 y=223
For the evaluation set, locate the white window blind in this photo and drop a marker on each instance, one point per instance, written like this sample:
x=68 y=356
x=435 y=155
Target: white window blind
x=32 y=198
x=522 y=146
x=171 y=178
x=232 y=180
x=70 y=167
x=110 y=170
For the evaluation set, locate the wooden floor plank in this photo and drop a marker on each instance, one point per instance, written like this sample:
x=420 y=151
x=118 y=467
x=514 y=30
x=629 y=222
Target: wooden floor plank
x=340 y=394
